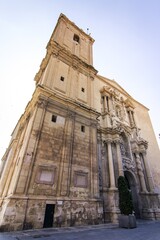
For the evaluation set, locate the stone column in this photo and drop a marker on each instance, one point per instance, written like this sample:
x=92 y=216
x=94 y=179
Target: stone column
x=129 y=149
x=148 y=172
x=105 y=103
x=133 y=118
x=110 y=104
x=140 y=173
x=111 y=167
x=119 y=159
x=130 y=117
x=106 y=117
x=103 y=164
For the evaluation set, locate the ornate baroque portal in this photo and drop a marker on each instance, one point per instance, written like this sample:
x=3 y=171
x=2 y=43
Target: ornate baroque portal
x=123 y=152
x=78 y=134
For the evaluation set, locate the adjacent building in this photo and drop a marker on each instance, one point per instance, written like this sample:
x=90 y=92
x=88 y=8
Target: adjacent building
x=78 y=133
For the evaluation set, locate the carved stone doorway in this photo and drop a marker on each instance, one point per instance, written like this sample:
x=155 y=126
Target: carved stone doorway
x=132 y=186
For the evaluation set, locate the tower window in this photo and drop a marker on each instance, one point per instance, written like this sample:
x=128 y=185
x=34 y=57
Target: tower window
x=82 y=89
x=54 y=118
x=76 y=38
x=82 y=128
x=62 y=78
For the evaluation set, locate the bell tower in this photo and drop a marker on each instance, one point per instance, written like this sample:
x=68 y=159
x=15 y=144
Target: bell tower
x=73 y=39
x=67 y=67
x=50 y=167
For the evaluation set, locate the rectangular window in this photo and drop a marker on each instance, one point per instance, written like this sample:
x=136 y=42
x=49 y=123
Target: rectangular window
x=82 y=128
x=76 y=38
x=54 y=118
x=58 y=119
x=82 y=89
x=62 y=78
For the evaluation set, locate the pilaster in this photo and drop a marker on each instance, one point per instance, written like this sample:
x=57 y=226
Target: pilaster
x=65 y=166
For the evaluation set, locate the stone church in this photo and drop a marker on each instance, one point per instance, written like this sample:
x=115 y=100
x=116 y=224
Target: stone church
x=78 y=133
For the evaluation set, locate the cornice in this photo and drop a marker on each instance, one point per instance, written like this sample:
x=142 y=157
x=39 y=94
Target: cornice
x=66 y=56
x=109 y=130
x=62 y=54
x=50 y=95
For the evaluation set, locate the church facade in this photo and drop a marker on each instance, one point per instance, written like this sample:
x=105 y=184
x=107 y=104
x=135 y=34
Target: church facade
x=78 y=133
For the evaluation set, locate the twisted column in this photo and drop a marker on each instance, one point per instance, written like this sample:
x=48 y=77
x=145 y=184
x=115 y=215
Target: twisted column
x=111 y=167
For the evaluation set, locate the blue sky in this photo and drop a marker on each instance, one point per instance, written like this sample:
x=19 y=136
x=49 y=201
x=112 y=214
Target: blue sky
x=126 y=49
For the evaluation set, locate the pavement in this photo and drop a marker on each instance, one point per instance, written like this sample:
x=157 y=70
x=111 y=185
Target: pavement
x=146 y=230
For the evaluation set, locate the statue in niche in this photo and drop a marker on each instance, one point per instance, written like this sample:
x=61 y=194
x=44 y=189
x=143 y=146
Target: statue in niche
x=118 y=112
x=115 y=120
x=136 y=133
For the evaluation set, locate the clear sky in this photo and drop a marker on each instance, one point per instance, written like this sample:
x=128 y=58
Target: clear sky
x=126 y=49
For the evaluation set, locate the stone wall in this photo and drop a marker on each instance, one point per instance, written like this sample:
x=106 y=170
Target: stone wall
x=29 y=213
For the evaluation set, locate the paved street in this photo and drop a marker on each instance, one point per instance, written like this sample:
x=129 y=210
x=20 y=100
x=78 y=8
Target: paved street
x=146 y=230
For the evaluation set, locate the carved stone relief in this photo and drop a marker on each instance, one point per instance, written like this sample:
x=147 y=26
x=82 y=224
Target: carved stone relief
x=128 y=164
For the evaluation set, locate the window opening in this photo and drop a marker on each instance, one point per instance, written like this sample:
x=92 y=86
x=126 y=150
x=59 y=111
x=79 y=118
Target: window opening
x=54 y=118
x=62 y=78
x=82 y=128
x=82 y=89
x=76 y=38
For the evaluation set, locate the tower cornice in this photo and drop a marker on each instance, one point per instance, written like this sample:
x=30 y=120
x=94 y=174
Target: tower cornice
x=59 y=52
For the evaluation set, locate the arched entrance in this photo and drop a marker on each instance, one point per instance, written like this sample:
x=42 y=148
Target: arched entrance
x=132 y=186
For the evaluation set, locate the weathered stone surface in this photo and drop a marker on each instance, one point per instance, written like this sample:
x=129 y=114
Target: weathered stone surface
x=79 y=132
